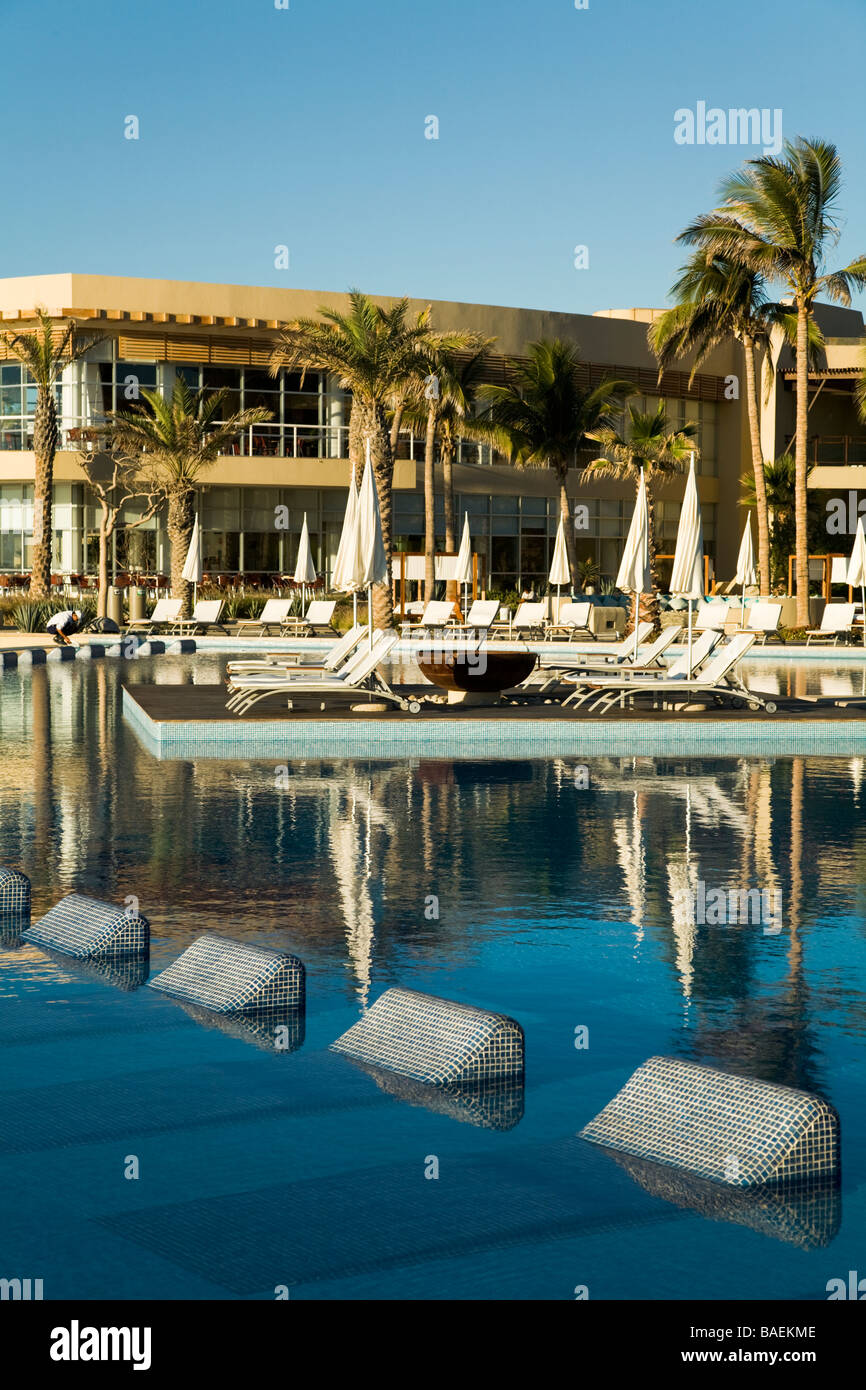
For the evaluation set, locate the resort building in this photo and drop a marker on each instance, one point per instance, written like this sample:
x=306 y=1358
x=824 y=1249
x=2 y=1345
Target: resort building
x=151 y=331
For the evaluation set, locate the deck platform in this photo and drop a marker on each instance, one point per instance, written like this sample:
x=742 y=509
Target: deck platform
x=189 y=721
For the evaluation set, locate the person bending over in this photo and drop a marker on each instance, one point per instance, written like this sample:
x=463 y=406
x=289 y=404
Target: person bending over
x=62 y=625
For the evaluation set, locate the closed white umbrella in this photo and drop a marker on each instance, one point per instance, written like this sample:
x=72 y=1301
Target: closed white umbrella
x=371 y=562
x=857 y=569
x=634 y=569
x=746 y=572
x=687 y=578
x=560 y=573
x=305 y=570
x=463 y=563
x=192 y=570
x=343 y=578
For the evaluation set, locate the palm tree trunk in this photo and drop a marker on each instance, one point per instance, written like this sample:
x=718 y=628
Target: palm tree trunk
x=102 y=582
x=44 y=448
x=801 y=499
x=648 y=608
x=567 y=524
x=376 y=428
x=429 y=506
x=447 y=453
x=180 y=521
x=356 y=444
x=762 y=515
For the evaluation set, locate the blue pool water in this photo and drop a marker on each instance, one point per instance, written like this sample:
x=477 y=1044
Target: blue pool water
x=556 y=904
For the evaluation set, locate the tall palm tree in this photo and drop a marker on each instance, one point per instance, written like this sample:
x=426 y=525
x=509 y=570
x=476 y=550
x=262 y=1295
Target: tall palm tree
x=718 y=299
x=372 y=352
x=182 y=438
x=444 y=407
x=649 y=445
x=45 y=351
x=546 y=415
x=778 y=217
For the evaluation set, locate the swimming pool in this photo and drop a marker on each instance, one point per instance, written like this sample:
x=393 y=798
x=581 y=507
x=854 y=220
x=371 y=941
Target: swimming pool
x=541 y=888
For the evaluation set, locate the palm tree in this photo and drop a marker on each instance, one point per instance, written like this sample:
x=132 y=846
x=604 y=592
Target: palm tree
x=444 y=407
x=653 y=447
x=545 y=416
x=182 y=438
x=372 y=352
x=45 y=353
x=777 y=217
x=780 y=490
x=718 y=299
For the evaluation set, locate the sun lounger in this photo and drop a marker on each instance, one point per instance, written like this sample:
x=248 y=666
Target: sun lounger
x=287 y=661
x=837 y=621
x=604 y=655
x=359 y=676
x=207 y=613
x=573 y=620
x=571 y=669
x=317 y=619
x=711 y=617
x=480 y=618
x=763 y=620
x=717 y=680
x=529 y=619
x=625 y=670
x=274 y=614
x=437 y=613
x=166 y=611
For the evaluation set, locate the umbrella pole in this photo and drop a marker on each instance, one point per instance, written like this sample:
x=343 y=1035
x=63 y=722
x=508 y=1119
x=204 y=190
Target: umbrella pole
x=355 y=608
x=863 y=604
x=690 y=639
x=370 y=615
x=636 y=622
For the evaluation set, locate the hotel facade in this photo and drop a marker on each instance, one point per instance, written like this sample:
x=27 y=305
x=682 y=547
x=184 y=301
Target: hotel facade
x=152 y=331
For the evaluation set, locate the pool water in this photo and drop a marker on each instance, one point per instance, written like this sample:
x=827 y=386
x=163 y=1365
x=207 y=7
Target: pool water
x=542 y=889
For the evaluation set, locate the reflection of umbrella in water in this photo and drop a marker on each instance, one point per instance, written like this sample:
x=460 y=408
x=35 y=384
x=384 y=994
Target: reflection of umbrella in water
x=351 y=862
x=628 y=839
x=682 y=887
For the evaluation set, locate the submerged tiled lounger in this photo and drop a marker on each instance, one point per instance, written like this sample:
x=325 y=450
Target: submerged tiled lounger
x=730 y=1129
x=85 y=928
x=14 y=893
x=435 y=1040
x=234 y=977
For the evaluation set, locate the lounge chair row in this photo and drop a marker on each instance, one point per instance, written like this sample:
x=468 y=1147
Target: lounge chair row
x=207 y=613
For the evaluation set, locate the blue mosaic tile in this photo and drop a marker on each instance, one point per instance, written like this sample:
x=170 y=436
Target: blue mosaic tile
x=234 y=977
x=729 y=1129
x=83 y=928
x=434 y=1040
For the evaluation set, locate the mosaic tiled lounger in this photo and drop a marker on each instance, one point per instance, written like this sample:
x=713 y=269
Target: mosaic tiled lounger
x=730 y=1129
x=14 y=893
x=84 y=928
x=435 y=1040
x=234 y=977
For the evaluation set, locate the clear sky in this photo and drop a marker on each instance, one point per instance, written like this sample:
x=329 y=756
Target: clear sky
x=305 y=127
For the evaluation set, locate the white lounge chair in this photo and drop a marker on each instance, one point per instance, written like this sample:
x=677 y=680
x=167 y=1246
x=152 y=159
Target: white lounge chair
x=166 y=611
x=573 y=620
x=274 y=614
x=837 y=621
x=287 y=661
x=717 y=680
x=763 y=619
x=572 y=670
x=207 y=613
x=437 y=613
x=529 y=618
x=608 y=655
x=360 y=675
x=712 y=617
x=702 y=647
x=480 y=618
x=318 y=618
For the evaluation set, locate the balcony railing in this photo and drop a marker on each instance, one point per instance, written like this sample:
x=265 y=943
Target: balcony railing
x=840 y=449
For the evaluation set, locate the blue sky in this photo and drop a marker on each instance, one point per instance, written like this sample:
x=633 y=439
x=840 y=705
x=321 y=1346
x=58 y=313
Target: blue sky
x=305 y=127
